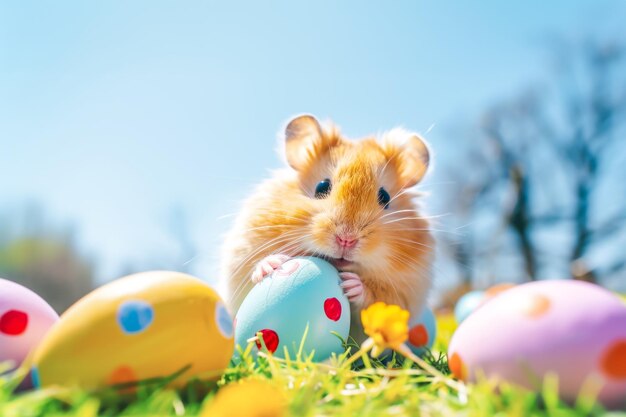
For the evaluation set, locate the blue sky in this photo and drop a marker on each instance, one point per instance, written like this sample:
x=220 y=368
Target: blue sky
x=112 y=114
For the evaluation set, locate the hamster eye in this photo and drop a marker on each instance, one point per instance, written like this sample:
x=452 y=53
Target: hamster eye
x=323 y=188
x=383 y=198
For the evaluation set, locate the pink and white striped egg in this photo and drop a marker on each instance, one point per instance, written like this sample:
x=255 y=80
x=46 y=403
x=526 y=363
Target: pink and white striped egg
x=25 y=318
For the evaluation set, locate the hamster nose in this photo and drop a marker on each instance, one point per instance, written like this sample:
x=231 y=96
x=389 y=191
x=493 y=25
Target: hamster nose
x=346 y=241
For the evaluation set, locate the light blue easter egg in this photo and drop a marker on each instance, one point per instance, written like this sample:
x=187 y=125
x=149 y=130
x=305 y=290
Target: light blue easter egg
x=303 y=292
x=422 y=331
x=467 y=304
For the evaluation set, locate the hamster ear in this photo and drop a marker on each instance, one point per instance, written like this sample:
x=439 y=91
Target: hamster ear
x=409 y=153
x=304 y=140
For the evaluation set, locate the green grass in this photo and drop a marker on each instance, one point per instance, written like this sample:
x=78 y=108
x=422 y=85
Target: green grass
x=328 y=389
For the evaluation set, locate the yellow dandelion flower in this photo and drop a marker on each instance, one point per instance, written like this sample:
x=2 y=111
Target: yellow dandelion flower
x=247 y=398
x=388 y=328
x=386 y=325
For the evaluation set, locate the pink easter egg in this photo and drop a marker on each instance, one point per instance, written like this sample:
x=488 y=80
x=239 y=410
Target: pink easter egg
x=25 y=318
x=573 y=329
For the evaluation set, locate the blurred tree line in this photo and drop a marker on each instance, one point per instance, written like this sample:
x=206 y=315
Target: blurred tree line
x=538 y=185
x=43 y=258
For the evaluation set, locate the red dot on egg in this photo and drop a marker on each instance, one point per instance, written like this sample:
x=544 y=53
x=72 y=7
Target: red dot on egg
x=13 y=322
x=270 y=338
x=332 y=308
x=121 y=375
x=418 y=336
x=614 y=360
x=458 y=367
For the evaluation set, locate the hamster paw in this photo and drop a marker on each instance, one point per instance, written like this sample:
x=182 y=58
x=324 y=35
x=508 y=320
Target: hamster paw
x=268 y=265
x=353 y=287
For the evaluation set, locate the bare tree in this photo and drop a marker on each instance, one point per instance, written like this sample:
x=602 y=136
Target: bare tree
x=595 y=112
x=547 y=168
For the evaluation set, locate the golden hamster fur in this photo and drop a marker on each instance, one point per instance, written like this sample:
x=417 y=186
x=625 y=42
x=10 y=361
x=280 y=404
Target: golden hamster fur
x=347 y=201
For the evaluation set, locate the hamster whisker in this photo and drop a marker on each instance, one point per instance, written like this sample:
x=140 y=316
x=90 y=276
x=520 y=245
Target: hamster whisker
x=431 y=217
x=287 y=217
x=285 y=240
x=411 y=263
x=406 y=242
x=418 y=217
x=399 y=211
x=401 y=193
x=382 y=171
x=429 y=229
x=375 y=213
x=273 y=226
x=256 y=252
x=225 y=216
x=452 y=232
x=418 y=265
x=190 y=260
x=403 y=219
x=391 y=283
x=295 y=221
x=435 y=216
x=465 y=226
x=400 y=239
x=291 y=247
x=279 y=239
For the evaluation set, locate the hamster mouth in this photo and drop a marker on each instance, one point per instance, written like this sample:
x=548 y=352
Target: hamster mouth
x=340 y=263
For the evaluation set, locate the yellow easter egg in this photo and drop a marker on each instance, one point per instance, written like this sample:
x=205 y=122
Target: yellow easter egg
x=143 y=326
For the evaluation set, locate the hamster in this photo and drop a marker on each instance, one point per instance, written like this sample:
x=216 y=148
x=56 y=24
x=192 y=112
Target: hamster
x=349 y=202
